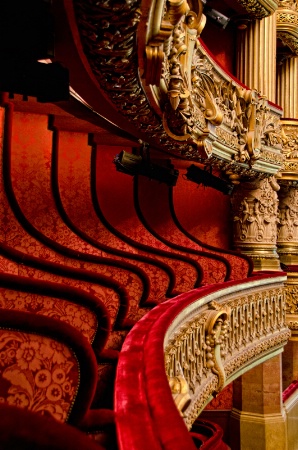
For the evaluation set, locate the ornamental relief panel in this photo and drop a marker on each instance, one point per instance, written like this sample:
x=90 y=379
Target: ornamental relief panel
x=255 y=214
x=175 y=94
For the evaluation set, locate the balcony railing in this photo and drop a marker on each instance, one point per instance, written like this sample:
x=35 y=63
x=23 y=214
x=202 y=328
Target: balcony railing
x=186 y=350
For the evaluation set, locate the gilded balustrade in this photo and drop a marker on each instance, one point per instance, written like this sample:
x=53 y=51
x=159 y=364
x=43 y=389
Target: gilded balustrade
x=207 y=347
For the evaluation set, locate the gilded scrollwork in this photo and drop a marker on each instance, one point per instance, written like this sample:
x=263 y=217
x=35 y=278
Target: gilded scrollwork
x=220 y=340
x=202 y=105
x=175 y=94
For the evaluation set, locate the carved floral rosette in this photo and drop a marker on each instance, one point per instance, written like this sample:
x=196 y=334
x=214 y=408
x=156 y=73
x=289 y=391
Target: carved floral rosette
x=221 y=339
x=148 y=60
x=287 y=24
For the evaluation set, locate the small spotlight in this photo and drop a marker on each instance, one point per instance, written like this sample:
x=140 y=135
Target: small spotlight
x=215 y=16
x=206 y=178
x=136 y=165
x=128 y=163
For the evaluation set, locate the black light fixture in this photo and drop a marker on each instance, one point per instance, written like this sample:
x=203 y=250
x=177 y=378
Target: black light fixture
x=205 y=177
x=215 y=16
x=139 y=165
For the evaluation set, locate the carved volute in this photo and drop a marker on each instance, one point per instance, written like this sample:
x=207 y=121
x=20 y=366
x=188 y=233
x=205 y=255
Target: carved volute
x=255 y=217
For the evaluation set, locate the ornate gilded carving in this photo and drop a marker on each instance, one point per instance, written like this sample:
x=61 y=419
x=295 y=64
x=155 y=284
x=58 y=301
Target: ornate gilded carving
x=202 y=105
x=289 y=174
x=255 y=212
x=176 y=95
x=255 y=217
x=212 y=346
x=180 y=390
x=287 y=24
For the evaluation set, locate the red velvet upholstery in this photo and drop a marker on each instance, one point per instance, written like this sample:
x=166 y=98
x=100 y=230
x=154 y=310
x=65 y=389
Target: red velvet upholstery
x=116 y=203
x=73 y=306
x=72 y=178
x=30 y=157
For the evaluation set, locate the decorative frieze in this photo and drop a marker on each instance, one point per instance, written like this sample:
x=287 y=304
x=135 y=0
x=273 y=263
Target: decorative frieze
x=223 y=338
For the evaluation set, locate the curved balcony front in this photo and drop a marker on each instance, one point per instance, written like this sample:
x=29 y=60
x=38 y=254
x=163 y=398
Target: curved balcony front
x=200 y=341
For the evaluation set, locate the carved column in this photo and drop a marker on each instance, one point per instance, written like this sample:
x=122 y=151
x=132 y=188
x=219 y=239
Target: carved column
x=255 y=217
x=256 y=56
x=257 y=418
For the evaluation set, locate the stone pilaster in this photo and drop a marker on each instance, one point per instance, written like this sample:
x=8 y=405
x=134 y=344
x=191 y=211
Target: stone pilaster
x=255 y=216
x=257 y=418
x=256 y=56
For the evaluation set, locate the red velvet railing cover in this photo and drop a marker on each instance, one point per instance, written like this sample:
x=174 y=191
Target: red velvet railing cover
x=146 y=416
